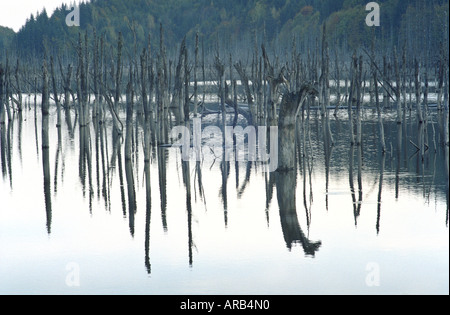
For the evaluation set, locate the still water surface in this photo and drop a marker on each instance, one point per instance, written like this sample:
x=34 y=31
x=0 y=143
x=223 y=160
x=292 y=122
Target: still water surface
x=359 y=224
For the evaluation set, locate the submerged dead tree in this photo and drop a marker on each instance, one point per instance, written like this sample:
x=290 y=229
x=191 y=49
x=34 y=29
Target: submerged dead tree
x=325 y=89
x=18 y=102
x=82 y=83
x=289 y=109
x=177 y=102
x=55 y=92
x=286 y=178
x=2 y=93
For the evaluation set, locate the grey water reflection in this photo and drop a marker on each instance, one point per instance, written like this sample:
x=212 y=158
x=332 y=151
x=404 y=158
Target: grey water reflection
x=328 y=181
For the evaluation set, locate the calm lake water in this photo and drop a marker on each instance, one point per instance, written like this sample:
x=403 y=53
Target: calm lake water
x=357 y=223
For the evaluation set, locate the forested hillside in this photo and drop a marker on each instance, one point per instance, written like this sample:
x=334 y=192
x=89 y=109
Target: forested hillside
x=6 y=37
x=234 y=22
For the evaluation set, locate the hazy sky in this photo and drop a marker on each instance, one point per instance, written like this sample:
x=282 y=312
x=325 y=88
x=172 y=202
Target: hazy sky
x=13 y=13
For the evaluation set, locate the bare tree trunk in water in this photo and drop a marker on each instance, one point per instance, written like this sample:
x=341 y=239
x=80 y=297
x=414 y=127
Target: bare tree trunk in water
x=55 y=93
x=290 y=106
x=2 y=91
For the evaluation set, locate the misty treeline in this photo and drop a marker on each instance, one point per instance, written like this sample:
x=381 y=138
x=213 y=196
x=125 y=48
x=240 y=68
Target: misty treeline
x=414 y=22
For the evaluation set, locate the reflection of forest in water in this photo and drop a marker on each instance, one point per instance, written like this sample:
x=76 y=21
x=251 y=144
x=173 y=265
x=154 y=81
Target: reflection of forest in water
x=107 y=161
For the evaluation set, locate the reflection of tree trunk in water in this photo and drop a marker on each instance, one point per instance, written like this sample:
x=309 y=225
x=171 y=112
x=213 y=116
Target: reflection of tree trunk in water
x=201 y=190
x=148 y=214
x=135 y=157
x=118 y=153
x=97 y=153
x=36 y=135
x=131 y=194
x=162 y=172
x=351 y=182
x=225 y=171
x=307 y=171
x=81 y=161
x=46 y=168
x=85 y=162
x=185 y=165
x=58 y=155
x=248 y=174
x=446 y=144
x=270 y=183
x=286 y=191
x=69 y=122
x=9 y=146
x=380 y=191
x=360 y=183
x=421 y=141
x=399 y=160
x=446 y=169
x=19 y=136
x=328 y=149
x=3 y=149
x=105 y=167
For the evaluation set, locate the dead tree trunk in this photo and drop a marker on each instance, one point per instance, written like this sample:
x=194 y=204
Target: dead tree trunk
x=82 y=85
x=352 y=97
x=379 y=113
x=129 y=120
x=177 y=102
x=385 y=83
x=186 y=87
x=97 y=78
x=118 y=78
x=274 y=83
x=359 y=104
x=18 y=88
x=325 y=97
x=146 y=106
x=66 y=84
x=338 y=84
x=45 y=90
x=151 y=75
x=220 y=69
x=55 y=93
x=245 y=82
x=398 y=88
x=2 y=91
x=289 y=109
x=195 y=76
x=8 y=92
x=417 y=84
x=404 y=84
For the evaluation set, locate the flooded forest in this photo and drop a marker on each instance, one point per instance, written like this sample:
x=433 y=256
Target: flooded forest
x=337 y=161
